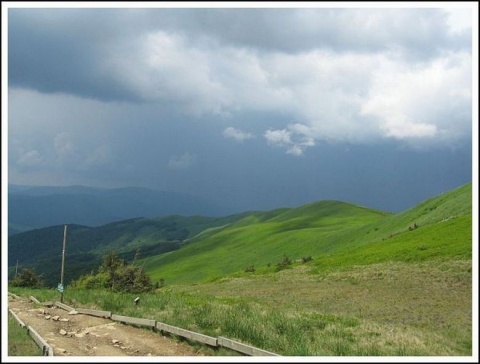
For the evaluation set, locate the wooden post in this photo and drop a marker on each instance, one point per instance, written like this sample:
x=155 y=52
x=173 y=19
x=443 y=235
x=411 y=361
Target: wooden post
x=16 y=269
x=63 y=260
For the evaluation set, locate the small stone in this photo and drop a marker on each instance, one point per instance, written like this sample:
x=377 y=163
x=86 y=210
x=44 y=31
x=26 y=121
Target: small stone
x=79 y=335
x=115 y=341
x=73 y=312
x=116 y=345
x=62 y=350
x=62 y=332
x=55 y=318
x=63 y=320
x=47 y=317
x=122 y=347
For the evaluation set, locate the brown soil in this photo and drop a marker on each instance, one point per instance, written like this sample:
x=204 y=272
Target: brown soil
x=84 y=335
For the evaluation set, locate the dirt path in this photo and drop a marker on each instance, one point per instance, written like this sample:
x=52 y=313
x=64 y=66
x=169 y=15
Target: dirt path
x=84 y=335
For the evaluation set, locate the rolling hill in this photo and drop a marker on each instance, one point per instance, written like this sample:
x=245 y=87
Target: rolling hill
x=337 y=235
x=192 y=249
x=361 y=282
x=41 y=249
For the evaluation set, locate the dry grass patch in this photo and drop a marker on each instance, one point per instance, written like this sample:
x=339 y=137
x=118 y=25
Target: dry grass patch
x=422 y=308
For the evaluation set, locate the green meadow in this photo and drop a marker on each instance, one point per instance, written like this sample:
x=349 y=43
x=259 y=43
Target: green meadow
x=334 y=234
x=325 y=279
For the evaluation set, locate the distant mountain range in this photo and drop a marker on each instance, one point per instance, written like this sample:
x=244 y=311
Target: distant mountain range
x=33 y=207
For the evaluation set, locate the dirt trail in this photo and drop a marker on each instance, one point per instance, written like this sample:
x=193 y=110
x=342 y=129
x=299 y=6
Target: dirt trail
x=84 y=335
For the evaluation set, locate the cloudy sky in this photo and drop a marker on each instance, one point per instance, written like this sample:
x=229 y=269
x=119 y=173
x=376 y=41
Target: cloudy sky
x=254 y=108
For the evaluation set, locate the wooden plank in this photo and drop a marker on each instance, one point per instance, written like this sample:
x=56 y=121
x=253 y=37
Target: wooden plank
x=46 y=349
x=64 y=306
x=34 y=299
x=133 y=320
x=243 y=348
x=98 y=313
x=212 y=341
x=20 y=322
x=14 y=295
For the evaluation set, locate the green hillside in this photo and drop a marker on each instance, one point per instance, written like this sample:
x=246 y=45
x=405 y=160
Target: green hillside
x=379 y=284
x=259 y=240
x=335 y=234
x=41 y=249
x=189 y=249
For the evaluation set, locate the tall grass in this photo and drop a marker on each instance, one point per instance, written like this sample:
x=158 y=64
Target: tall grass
x=387 y=309
x=375 y=287
x=19 y=341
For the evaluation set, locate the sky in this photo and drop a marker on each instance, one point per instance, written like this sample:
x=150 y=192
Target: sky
x=253 y=107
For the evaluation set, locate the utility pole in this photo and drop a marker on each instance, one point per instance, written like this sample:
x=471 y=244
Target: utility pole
x=60 y=286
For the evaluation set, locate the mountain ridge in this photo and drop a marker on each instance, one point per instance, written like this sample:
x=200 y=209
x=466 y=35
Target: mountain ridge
x=32 y=207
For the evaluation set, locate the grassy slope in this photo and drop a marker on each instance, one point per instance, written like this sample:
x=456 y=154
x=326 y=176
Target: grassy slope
x=260 y=239
x=374 y=288
x=87 y=245
x=336 y=234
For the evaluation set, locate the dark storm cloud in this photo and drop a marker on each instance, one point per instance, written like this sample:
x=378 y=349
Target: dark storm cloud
x=419 y=31
x=252 y=107
x=58 y=50
x=72 y=50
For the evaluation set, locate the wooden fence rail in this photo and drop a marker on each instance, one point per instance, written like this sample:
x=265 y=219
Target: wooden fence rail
x=98 y=313
x=212 y=341
x=46 y=349
x=134 y=320
x=191 y=335
x=34 y=299
x=243 y=348
x=14 y=315
x=64 y=306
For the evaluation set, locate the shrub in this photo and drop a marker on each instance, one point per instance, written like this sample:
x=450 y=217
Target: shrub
x=250 y=269
x=160 y=283
x=118 y=276
x=283 y=264
x=27 y=278
x=307 y=259
x=91 y=281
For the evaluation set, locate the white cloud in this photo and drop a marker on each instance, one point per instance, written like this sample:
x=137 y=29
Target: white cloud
x=295 y=138
x=390 y=74
x=459 y=18
x=30 y=158
x=431 y=100
x=163 y=67
x=351 y=91
x=184 y=161
x=237 y=134
x=278 y=137
x=64 y=146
